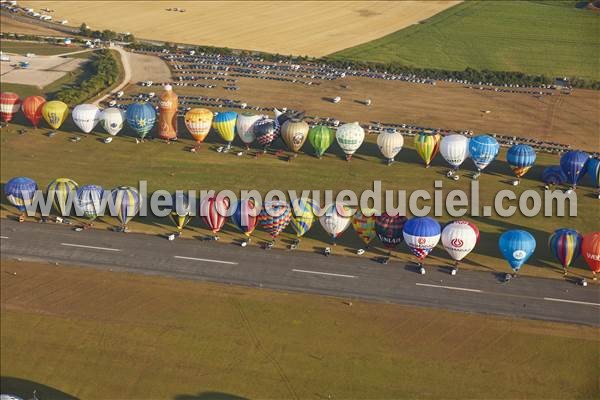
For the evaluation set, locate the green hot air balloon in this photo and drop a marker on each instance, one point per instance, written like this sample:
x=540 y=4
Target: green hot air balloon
x=321 y=137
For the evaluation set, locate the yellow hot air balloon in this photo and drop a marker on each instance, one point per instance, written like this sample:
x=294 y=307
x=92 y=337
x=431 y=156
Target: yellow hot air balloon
x=55 y=112
x=198 y=122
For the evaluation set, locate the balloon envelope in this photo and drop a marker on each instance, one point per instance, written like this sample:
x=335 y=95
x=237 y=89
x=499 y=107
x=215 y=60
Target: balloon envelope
x=335 y=219
x=521 y=158
x=224 y=124
x=483 y=149
x=168 y=103
x=459 y=238
x=127 y=202
x=180 y=210
x=573 y=165
x=427 y=145
x=112 y=120
x=294 y=133
x=63 y=193
x=19 y=192
x=565 y=245
x=274 y=217
x=421 y=235
x=516 y=246
x=266 y=131
x=390 y=144
x=141 y=118
x=389 y=229
x=32 y=108
x=303 y=215
x=86 y=117
x=350 y=137
x=198 y=121
x=245 y=216
x=593 y=170
x=213 y=211
x=553 y=175
x=454 y=149
x=320 y=138
x=55 y=113
x=590 y=249
x=10 y=103
x=244 y=127
x=89 y=200
x=363 y=222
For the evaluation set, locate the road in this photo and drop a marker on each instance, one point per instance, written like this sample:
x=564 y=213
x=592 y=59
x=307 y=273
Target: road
x=346 y=277
x=126 y=75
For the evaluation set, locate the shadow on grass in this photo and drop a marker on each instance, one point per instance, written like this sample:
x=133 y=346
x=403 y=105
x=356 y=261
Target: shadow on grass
x=209 y=396
x=27 y=389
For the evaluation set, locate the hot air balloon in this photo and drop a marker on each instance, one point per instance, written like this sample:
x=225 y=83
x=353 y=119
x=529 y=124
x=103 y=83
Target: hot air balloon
x=590 y=249
x=181 y=210
x=141 y=118
x=55 y=112
x=168 y=102
x=266 y=131
x=455 y=150
x=302 y=217
x=198 y=121
x=363 y=222
x=521 y=158
x=320 y=138
x=127 y=202
x=389 y=229
x=483 y=149
x=88 y=202
x=516 y=246
x=63 y=192
x=32 y=108
x=112 y=120
x=565 y=246
x=350 y=137
x=274 y=217
x=86 y=117
x=245 y=217
x=390 y=143
x=10 y=103
x=224 y=124
x=573 y=164
x=553 y=176
x=335 y=220
x=459 y=238
x=19 y=192
x=421 y=235
x=593 y=170
x=244 y=127
x=427 y=145
x=294 y=133
x=213 y=210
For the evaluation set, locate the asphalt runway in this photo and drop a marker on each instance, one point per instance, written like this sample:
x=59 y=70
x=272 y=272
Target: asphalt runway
x=298 y=271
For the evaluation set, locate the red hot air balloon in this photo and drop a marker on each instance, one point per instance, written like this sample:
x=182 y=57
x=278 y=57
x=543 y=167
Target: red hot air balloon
x=213 y=210
x=32 y=108
x=590 y=249
x=9 y=105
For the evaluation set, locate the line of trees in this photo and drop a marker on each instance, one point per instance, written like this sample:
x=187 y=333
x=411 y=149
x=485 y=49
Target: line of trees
x=104 y=72
x=106 y=34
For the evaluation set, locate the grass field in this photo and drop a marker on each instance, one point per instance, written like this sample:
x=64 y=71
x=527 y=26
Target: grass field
x=295 y=27
x=45 y=49
x=98 y=334
x=551 y=37
x=172 y=167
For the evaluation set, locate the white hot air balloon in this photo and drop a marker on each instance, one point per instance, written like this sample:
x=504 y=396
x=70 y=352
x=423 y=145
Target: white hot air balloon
x=113 y=120
x=390 y=143
x=335 y=219
x=459 y=239
x=350 y=137
x=455 y=150
x=244 y=127
x=86 y=117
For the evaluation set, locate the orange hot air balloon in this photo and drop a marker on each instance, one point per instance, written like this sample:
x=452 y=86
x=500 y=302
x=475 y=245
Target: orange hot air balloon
x=32 y=108
x=590 y=249
x=9 y=105
x=167 y=114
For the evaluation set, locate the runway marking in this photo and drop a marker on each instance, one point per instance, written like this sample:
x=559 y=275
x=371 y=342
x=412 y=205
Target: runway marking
x=323 y=273
x=89 y=247
x=450 y=287
x=3 y=237
x=206 y=260
x=572 y=301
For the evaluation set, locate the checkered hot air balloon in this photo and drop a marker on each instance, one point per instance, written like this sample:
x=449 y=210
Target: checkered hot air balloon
x=267 y=131
x=363 y=222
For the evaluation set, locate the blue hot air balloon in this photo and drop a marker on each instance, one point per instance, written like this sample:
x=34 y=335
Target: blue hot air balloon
x=19 y=192
x=483 y=150
x=553 y=175
x=565 y=245
x=89 y=201
x=593 y=170
x=521 y=158
x=573 y=164
x=127 y=202
x=516 y=246
x=141 y=118
x=421 y=235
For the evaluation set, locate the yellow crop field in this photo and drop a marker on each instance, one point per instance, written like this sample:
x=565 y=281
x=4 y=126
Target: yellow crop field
x=293 y=27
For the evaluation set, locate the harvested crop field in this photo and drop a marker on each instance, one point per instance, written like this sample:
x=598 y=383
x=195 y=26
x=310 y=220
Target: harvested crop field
x=296 y=27
x=11 y=25
x=84 y=333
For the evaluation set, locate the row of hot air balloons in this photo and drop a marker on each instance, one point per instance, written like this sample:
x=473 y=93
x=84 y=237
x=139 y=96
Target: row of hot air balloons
x=421 y=234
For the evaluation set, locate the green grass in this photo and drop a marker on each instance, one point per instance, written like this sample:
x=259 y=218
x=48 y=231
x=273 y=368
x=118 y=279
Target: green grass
x=43 y=49
x=22 y=90
x=551 y=38
x=171 y=167
x=69 y=331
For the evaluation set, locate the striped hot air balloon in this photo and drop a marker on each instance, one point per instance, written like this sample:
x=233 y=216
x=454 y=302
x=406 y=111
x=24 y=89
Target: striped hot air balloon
x=294 y=133
x=127 y=202
x=302 y=215
x=267 y=131
x=198 y=121
x=245 y=216
x=565 y=246
x=10 y=103
x=19 y=192
x=141 y=118
x=180 y=210
x=427 y=145
x=389 y=229
x=320 y=138
x=213 y=211
x=89 y=201
x=274 y=217
x=55 y=112
x=363 y=222
x=63 y=192
x=521 y=158
x=32 y=109
x=224 y=124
